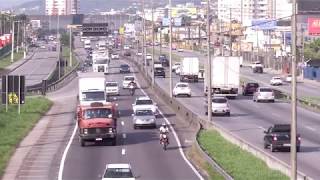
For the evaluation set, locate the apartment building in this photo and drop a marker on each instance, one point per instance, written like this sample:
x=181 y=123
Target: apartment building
x=62 y=7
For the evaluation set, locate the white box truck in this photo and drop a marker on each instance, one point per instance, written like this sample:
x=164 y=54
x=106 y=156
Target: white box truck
x=91 y=88
x=189 y=69
x=87 y=44
x=225 y=76
x=101 y=66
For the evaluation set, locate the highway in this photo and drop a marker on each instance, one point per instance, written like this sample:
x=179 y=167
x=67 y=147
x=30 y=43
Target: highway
x=249 y=119
x=304 y=89
x=139 y=147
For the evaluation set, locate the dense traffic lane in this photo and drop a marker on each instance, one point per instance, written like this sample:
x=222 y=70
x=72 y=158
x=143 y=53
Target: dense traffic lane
x=140 y=148
x=305 y=89
x=249 y=119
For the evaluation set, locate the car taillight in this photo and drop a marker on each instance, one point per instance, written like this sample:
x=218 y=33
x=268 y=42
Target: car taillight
x=275 y=138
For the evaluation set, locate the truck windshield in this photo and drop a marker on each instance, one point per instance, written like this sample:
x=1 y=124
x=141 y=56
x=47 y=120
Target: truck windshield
x=93 y=96
x=111 y=84
x=144 y=113
x=118 y=173
x=142 y=102
x=97 y=113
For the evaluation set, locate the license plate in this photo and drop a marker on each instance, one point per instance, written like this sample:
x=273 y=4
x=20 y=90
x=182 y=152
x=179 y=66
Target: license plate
x=287 y=145
x=98 y=139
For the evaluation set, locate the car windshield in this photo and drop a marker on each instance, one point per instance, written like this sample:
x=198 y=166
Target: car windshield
x=102 y=61
x=159 y=69
x=111 y=84
x=253 y=85
x=97 y=113
x=265 y=90
x=142 y=102
x=281 y=128
x=276 y=78
x=182 y=85
x=124 y=66
x=118 y=173
x=129 y=78
x=93 y=96
x=144 y=113
x=219 y=100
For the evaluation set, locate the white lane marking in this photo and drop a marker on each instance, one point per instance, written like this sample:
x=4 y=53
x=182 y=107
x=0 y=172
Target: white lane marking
x=176 y=137
x=64 y=156
x=123 y=151
x=275 y=114
x=311 y=128
x=122 y=123
x=188 y=141
x=260 y=127
x=124 y=135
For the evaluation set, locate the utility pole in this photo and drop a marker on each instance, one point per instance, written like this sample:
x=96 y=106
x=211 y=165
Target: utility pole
x=24 y=41
x=12 y=39
x=230 y=32
x=293 y=147
x=170 y=51
x=152 y=11
x=59 y=46
x=70 y=49
x=18 y=36
x=144 y=39
x=209 y=64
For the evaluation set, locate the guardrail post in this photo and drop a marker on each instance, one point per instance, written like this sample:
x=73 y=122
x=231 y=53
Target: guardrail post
x=44 y=87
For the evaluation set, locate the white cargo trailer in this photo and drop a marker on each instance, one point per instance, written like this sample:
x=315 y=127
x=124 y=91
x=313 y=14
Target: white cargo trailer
x=189 y=69
x=91 y=88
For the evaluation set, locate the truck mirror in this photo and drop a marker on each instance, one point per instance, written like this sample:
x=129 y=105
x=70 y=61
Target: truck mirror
x=110 y=116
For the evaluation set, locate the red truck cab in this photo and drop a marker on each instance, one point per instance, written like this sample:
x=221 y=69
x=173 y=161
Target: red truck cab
x=97 y=122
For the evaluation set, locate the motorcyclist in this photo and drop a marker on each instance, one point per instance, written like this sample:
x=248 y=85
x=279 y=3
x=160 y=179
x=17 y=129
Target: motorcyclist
x=164 y=129
x=132 y=86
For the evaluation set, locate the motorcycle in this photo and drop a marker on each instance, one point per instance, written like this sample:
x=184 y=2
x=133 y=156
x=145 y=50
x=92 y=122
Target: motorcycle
x=164 y=141
x=132 y=89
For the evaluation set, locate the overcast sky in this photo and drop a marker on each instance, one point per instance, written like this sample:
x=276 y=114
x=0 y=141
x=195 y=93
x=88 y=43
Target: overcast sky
x=10 y=3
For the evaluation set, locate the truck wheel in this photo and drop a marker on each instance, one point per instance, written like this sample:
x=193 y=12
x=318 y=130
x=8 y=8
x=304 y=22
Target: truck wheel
x=114 y=142
x=228 y=113
x=82 y=142
x=265 y=146
x=134 y=126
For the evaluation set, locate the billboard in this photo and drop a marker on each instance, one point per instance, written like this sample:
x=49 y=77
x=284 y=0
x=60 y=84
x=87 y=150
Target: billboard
x=263 y=24
x=314 y=26
x=13 y=89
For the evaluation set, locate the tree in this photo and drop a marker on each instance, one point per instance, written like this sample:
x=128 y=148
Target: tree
x=312 y=50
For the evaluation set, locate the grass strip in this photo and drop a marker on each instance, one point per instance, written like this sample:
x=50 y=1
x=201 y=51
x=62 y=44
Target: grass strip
x=66 y=56
x=240 y=164
x=6 y=61
x=203 y=165
x=14 y=127
x=314 y=100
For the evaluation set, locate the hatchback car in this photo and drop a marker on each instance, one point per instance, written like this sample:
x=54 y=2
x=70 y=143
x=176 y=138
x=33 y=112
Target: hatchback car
x=289 y=78
x=127 y=80
x=144 y=118
x=175 y=66
x=118 y=171
x=124 y=68
x=250 y=88
x=182 y=89
x=112 y=88
x=220 y=106
x=264 y=94
x=276 y=81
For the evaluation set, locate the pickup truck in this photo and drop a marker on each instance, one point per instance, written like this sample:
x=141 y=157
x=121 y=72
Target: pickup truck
x=278 y=137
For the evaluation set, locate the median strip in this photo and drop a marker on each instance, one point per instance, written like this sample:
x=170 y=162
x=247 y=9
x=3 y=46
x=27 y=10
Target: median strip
x=14 y=127
x=239 y=163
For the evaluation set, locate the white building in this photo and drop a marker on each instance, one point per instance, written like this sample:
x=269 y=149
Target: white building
x=62 y=7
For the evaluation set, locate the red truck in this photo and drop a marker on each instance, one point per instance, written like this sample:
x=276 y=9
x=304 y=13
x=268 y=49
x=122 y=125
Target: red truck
x=97 y=122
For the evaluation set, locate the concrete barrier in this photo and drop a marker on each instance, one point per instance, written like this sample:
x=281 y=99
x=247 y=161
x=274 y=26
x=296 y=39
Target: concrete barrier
x=193 y=119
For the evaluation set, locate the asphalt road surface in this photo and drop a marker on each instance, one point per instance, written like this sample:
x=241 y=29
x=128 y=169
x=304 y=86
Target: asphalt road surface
x=139 y=147
x=249 y=119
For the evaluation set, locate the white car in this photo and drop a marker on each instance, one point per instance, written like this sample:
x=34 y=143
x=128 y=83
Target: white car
x=181 y=89
x=144 y=102
x=289 y=78
x=126 y=47
x=114 y=56
x=276 y=81
x=256 y=64
x=143 y=118
x=118 y=172
x=127 y=80
x=112 y=88
x=175 y=66
x=220 y=105
x=263 y=94
x=178 y=70
x=148 y=57
x=139 y=54
x=180 y=50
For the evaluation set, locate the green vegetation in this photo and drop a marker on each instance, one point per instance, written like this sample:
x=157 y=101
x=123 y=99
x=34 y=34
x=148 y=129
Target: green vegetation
x=312 y=50
x=202 y=164
x=315 y=100
x=66 y=56
x=240 y=164
x=14 y=127
x=6 y=61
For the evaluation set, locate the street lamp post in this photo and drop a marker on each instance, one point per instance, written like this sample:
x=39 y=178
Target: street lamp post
x=170 y=51
x=209 y=64
x=153 y=79
x=12 y=43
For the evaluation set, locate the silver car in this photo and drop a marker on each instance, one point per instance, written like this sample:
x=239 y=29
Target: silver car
x=264 y=94
x=220 y=106
x=143 y=118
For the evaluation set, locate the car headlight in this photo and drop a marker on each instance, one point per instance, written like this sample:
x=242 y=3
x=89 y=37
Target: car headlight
x=85 y=131
x=151 y=119
x=110 y=130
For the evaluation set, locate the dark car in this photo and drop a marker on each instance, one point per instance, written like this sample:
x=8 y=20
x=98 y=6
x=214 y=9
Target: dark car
x=159 y=71
x=257 y=69
x=249 y=88
x=278 y=137
x=164 y=60
x=124 y=68
x=127 y=53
